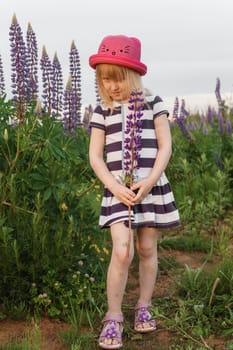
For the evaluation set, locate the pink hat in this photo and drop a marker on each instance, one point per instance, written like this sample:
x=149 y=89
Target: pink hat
x=120 y=50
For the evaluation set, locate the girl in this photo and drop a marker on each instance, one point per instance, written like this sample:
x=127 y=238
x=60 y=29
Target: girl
x=145 y=205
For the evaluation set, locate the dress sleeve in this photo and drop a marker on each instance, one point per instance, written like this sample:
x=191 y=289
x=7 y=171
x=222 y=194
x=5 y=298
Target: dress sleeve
x=98 y=119
x=159 y=107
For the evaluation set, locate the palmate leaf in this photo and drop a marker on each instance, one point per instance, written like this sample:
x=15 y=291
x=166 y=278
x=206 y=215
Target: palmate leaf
x=7 y=109
x=38 y=181
x=53 y=150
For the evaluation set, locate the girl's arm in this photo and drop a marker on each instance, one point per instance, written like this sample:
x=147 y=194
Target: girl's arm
x=163 y=135
x=96 y=156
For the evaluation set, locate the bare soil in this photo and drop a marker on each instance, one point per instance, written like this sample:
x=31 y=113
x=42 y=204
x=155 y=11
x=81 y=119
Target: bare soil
x=162 y=338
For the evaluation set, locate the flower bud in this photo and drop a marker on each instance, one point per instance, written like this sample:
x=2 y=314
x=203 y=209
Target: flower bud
x=5 y=135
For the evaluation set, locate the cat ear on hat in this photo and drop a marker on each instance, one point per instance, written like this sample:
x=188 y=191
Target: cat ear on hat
x=137 y=41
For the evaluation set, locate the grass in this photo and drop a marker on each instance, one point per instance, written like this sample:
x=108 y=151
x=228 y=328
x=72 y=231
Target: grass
x=188 y=243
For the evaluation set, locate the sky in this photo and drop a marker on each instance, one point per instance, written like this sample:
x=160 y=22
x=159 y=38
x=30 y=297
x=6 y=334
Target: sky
x=186 y=44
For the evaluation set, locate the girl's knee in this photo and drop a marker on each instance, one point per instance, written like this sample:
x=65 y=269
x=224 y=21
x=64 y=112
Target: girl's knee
x=123 y=258
x=147 y=251
x=147 y=242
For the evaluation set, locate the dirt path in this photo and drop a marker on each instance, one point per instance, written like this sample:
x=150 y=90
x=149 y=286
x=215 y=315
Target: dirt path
x=49 y=332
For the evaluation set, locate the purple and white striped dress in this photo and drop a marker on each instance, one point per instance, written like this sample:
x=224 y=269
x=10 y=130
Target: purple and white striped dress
x=158 y=208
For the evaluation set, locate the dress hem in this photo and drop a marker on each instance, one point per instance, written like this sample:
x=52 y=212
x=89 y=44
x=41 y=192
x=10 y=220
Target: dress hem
x=144 y=224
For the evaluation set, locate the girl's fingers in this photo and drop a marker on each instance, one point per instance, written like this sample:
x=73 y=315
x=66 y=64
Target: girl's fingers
x=130 y=200
x=138 y=198
x=135 y=186
x=130 y=193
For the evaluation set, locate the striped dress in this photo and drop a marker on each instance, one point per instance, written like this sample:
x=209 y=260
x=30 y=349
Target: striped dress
x=158 y=208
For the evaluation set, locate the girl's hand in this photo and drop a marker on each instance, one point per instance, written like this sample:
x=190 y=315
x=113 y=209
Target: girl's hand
x=143 y=187
x=123 y=194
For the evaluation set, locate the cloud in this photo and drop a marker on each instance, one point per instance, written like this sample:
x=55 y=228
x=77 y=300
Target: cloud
x=186 y=44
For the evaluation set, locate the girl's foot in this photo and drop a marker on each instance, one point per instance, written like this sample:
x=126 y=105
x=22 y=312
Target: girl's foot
x=143 y=319
x=111 y=335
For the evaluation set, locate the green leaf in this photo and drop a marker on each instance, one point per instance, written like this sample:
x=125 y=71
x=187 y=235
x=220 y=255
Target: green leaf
x=47 y=194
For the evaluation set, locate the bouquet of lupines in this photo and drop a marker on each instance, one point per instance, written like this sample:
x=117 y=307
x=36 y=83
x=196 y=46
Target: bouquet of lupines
x=132 y=144
x=133 y=138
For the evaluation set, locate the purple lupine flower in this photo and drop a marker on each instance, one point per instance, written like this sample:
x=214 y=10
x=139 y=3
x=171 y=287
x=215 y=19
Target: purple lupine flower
x=221 y=126
x=183 y=112
x=2 y=81
x=75 y=73
x=98 y=99
x=219 y=98
x=194 y=126
x=133 y=139
x=180 y=120
x=47 y=77
x=69 y=109
x=176 y=108
x=224 y=124
x=19 y=65
x=217 y=91
x=57 y=87
x=32 y=53
x=228 y=126
x=210 y=115
x=203 y=124
x=174 y=115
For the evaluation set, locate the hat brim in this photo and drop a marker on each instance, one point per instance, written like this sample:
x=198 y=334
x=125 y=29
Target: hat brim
x=140 y=67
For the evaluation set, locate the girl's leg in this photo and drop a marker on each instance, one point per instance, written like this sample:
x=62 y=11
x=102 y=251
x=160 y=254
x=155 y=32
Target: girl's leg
x=116 y=282
x=148 y=265
x=148 y=262
x=118 y=268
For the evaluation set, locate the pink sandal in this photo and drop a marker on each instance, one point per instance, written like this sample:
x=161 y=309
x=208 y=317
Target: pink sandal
x=112 y=331
x=143 y=322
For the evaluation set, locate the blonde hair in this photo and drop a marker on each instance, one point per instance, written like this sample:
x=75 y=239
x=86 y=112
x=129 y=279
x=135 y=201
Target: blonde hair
x=118 y=73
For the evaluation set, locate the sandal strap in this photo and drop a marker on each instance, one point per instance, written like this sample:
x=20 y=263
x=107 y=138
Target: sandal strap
x=143 y=314
x=142 y=305
x=113 y=317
